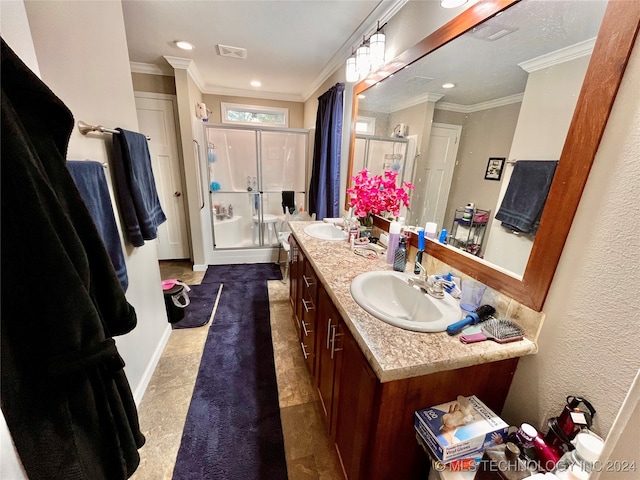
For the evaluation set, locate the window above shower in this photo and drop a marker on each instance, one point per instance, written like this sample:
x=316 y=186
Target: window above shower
x=239 y=114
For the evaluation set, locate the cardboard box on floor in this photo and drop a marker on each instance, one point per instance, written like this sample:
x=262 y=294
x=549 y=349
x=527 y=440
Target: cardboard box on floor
x=460 y=428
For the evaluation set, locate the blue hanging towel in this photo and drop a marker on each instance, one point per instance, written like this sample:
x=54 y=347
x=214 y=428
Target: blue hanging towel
x=91 y=181
x=526 y=195
x=135 y=187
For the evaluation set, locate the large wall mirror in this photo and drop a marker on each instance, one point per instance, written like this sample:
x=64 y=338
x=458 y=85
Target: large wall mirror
x=533 y=80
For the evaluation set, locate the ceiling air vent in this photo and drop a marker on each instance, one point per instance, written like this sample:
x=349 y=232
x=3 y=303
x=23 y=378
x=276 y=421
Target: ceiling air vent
x=491 y=31
x=233 y=52
x=417 y=80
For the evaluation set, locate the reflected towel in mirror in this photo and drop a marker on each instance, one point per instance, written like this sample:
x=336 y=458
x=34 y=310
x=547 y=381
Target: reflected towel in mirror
x=526 y=195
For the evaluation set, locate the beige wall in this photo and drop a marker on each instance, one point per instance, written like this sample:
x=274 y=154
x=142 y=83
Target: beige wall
x=97 y=88
x=486 y=133
x=143 y=82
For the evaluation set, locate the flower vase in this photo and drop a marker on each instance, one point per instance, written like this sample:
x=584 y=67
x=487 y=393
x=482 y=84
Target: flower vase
x=366 y=226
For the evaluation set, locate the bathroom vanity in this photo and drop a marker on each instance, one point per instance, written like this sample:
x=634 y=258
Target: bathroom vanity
x=372 y=376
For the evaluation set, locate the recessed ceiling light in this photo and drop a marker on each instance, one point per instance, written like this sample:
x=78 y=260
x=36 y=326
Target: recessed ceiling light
x=452 y=3
x=448 y=85
x=256 y=83
x=184 y=45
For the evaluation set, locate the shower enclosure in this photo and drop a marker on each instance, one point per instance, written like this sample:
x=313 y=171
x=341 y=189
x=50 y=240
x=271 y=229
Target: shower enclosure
x=249 y=169
x=378 y=154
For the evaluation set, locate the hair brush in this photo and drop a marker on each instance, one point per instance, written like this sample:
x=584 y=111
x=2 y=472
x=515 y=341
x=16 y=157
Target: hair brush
x=480 y=314
x=498 y=330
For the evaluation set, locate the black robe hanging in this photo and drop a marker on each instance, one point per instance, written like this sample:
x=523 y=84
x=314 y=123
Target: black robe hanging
x=64 y=393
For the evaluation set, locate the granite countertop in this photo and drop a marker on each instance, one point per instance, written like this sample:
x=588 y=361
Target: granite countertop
x=392 y=352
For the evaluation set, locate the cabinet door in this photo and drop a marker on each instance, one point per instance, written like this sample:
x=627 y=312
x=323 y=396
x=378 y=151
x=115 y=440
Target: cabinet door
x=328 y=353
x=355 y=409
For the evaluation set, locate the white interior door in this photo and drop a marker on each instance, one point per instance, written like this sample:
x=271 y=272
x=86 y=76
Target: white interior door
x=434 y=173
x=156 y=119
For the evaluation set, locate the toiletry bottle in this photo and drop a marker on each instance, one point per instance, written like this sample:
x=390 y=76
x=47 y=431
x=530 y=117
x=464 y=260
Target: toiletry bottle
x=394 y=239
x=400 y=257
x=419 y=253
x=430 y=229
x=581 y=461
x=468 y=212
x=502 y=462
x=536 y=449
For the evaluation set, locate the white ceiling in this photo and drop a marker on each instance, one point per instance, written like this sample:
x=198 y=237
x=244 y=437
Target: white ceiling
x=292 y=45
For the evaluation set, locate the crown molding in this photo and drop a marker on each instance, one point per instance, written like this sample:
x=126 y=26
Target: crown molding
x=427 y=97
x=180 y=63
x=150 y=69
x=477 y=107
x=238 y=92
x=571 y=52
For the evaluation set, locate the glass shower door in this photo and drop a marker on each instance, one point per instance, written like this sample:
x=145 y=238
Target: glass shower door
x=249 y=169
x=233 y=186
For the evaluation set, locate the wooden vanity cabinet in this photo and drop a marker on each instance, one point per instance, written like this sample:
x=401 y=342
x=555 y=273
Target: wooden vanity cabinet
x=371 y=423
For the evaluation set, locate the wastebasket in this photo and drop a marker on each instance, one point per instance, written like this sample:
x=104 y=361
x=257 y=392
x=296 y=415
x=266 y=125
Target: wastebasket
x=176 y=299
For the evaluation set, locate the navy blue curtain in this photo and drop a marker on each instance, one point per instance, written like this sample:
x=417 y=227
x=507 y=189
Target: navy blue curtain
x=324 y=189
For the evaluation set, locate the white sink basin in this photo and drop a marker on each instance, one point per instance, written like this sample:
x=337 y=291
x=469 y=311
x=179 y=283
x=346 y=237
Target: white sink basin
x=325 y=231
x=387 y=296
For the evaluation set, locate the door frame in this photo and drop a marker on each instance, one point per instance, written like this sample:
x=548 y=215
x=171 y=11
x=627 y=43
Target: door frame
x=174 y=104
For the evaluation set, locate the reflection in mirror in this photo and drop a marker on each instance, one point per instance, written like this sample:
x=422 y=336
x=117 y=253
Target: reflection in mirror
x=516 y=80
x=378 y=154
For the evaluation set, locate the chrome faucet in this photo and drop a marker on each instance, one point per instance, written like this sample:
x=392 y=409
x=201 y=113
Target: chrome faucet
x=430 y=284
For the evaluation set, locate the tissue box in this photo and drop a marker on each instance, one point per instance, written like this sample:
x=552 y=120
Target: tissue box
x=460 y=428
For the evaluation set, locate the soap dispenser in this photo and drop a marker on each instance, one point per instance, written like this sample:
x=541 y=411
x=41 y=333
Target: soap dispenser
x=394 y=238
x=400 y=258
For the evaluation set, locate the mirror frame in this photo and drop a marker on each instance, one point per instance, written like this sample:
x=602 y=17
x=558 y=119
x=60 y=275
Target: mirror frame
x=604 y=74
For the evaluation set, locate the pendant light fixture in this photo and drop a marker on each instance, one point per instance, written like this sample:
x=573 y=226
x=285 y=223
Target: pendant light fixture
x=376 y=49
x=369 y=55
x=352 y=72
x=363 y=60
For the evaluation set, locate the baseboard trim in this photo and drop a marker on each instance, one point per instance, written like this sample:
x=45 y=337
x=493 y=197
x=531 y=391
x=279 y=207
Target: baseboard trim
x=238 y=256
x=151 y=366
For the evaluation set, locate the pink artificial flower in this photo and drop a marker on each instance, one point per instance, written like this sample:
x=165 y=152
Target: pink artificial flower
x=378 y=194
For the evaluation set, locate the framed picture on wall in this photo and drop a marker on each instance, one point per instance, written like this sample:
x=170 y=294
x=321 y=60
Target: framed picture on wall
x=494 y=168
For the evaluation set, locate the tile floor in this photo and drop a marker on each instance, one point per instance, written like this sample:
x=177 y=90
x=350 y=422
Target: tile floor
x=309 y=452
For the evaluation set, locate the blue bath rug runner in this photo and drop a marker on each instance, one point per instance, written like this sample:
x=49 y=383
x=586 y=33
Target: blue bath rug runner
x=203 y=296
x=233 y=429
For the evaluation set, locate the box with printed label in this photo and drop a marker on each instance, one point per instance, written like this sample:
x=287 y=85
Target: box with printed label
x=460 y=428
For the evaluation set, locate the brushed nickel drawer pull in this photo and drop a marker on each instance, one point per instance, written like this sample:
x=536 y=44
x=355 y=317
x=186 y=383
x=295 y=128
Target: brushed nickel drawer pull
x=304 y=327
x=304 y=351
x=306 y=281
x=335 y=335
x=308 y=305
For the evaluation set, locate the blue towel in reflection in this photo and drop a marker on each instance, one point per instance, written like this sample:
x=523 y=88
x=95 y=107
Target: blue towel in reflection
x=136 y=188
x=526 y=195
x=92 y=184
